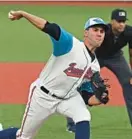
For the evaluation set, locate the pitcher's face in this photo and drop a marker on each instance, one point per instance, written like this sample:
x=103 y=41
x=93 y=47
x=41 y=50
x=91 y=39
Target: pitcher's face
x=95 y=36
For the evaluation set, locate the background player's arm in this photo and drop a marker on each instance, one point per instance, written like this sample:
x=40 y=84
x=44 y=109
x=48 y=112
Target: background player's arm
x=130 y=54
x=128 y=34
x=130 y=57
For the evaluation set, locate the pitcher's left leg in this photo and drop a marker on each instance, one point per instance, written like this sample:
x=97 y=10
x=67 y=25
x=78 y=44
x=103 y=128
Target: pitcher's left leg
x=76 y=109
x=37 y=111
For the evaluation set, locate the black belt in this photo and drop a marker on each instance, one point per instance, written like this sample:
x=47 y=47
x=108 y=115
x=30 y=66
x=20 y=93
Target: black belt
x=48 y=92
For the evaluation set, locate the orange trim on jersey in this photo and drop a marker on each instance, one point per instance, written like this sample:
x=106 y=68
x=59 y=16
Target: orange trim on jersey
x=26 y=112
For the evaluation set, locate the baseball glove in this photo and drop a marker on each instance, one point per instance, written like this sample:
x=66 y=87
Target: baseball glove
x=99 y=87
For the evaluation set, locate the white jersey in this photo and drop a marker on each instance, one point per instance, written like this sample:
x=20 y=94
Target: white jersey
x=68 y=67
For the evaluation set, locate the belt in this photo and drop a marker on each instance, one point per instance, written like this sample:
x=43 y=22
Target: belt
x=49 y=93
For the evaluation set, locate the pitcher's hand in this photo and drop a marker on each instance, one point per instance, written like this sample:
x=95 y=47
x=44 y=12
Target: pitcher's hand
x=15 y=15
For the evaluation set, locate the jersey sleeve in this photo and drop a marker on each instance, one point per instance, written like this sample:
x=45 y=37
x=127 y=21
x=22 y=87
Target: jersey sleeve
x=64 y=44
x=128 y=34
x=61 y=39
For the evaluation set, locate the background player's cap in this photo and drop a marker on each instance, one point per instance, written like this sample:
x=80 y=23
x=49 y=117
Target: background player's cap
x=119 y=15
x=96 y=22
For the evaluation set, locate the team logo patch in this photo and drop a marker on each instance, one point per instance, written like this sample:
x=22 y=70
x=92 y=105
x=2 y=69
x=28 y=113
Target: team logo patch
x=76 y=72
x=122 y=14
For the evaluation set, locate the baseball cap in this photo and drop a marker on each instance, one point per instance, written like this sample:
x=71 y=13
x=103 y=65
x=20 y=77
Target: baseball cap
x=119 y=15
x=95 y=21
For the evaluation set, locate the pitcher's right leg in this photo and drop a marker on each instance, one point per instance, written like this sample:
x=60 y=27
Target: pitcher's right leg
x=34 y=115
x=75 y=108
x=9 y=133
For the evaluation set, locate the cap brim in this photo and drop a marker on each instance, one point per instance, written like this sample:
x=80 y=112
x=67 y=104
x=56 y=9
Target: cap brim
x=121 y=19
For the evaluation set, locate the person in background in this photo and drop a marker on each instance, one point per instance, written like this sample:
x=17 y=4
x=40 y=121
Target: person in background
x=110 y=55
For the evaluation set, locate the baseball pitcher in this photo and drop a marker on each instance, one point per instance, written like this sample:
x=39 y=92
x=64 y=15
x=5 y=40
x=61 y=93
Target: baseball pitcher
x=71 y=64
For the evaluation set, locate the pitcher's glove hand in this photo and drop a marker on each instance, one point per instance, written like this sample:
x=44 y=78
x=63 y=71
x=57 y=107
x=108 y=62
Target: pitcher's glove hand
x=100 y=88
